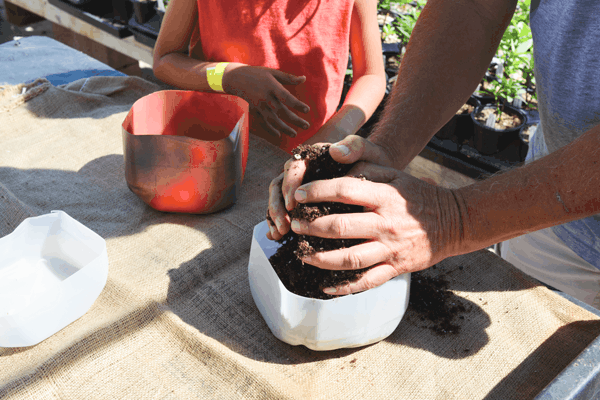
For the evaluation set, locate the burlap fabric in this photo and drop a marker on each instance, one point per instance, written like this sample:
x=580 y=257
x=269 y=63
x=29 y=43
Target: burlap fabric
x=176 y=319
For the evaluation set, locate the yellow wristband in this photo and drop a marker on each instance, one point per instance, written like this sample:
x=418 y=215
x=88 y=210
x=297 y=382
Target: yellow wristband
x=214 y=75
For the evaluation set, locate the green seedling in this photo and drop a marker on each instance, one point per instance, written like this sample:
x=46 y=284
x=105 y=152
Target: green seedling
x=406 y=24
x=389 y=30
x=516 y=52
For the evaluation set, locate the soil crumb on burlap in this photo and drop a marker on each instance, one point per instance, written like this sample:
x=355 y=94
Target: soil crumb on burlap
x=434 y=303
x=298 y=277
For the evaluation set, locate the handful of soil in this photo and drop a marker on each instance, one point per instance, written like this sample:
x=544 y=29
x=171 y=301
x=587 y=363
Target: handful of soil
x=298 y=277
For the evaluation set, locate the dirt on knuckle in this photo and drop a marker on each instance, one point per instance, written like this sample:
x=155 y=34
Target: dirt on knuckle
x=395 y=259
x=275 y=184
x=388 y=227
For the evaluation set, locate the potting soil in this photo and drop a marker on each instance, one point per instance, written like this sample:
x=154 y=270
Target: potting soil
x=298 y=277
x=506 y=121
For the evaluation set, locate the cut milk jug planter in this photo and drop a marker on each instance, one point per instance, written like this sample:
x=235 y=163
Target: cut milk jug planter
x=52 y=269
x=348 y=321
x=186 y=151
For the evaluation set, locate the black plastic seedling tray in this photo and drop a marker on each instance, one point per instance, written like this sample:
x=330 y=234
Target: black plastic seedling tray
x=468 y=161
x=146 y=33
x=100 y=16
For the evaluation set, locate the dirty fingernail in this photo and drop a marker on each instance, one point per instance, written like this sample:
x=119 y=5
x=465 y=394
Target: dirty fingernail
x=279 y=222
x=300 y=194
x=330 y=290
x=288 y=206
x=295 y=225
x=341 y=148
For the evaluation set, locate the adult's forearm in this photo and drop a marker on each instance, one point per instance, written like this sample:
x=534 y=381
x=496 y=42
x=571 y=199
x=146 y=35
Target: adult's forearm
x=561 y=187
x=449 y=51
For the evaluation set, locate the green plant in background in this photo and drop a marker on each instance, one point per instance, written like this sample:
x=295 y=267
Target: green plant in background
x=388 y=30
x=403 y=26
x=515 y=49
x=505 y=89
x=406 y=24
x=384 y=5
x=516 y=52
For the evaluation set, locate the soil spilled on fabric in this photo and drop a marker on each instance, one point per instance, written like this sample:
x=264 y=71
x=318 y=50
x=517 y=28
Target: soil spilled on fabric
x=435 y=303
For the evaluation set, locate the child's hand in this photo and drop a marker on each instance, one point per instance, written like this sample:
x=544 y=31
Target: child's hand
x=263 y=89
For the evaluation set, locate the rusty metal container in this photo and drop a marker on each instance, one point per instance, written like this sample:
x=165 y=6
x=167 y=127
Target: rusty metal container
x=186 y=151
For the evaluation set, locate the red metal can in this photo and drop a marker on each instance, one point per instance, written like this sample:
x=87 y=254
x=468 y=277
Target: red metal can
x=186 y=151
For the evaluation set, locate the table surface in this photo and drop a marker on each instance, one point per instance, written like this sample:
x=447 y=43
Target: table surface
x=35 y=57
x=41 y=57
x=128 y=45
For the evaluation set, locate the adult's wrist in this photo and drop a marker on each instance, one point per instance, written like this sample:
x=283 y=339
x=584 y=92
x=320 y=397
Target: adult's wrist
x=390 y=148
x=458 y=224
x=388 y=156
x=481 y=221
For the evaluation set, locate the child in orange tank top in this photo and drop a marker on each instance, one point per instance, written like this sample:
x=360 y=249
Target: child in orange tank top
x=286 y=58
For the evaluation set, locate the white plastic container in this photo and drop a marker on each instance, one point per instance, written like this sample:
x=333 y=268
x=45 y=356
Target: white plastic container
x=348 y=321
x=52 y=269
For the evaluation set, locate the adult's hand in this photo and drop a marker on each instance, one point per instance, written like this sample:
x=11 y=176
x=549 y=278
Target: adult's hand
x=281 y=191
x=263 y=89
x=410 y=225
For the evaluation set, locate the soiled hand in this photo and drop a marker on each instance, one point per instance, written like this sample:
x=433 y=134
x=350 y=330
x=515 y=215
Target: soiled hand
x=281 y=191
x=410 y=224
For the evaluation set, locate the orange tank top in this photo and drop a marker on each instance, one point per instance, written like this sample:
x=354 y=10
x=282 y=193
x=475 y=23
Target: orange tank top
x=301 y=37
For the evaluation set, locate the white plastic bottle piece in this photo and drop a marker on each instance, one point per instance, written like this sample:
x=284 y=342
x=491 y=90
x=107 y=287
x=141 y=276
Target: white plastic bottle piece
x=343 y=322
x=52 y=270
